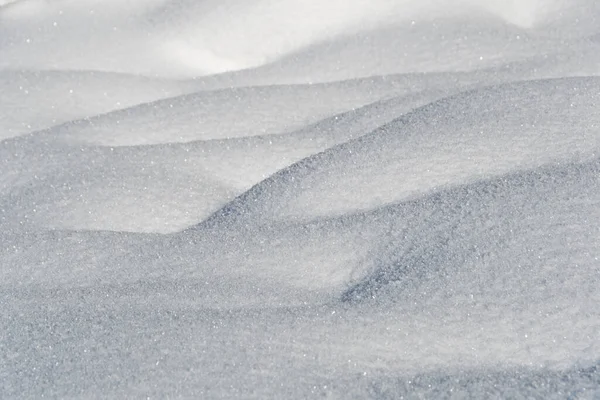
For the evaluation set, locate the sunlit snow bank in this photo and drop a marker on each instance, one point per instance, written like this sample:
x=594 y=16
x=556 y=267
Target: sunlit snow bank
x=34 y=100
x=93 y=187
x=182 y=184
x=493 y=273
x=369 y=199
x=471 y=135
x=189 y=38
x=233 y=113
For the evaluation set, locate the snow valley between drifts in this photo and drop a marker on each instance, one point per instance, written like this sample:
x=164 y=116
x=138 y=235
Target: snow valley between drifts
x=300 y=199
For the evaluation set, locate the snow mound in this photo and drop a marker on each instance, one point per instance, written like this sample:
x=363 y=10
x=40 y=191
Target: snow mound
x=532 y=236
x=491 y=273
x=238 y=112
x=472 y=135
x=541 y=224
x=376 y=198
x=168 y=187
x=161 y=188
x=188 y=38
x=403 y=48
x=35 y=100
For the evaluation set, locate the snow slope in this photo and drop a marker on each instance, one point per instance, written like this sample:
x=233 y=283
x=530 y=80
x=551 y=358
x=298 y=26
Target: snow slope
x=472 y=135
x=90 y=188
x=34 y=100
x=470 y=277
x=231 y=113
x=298 y=199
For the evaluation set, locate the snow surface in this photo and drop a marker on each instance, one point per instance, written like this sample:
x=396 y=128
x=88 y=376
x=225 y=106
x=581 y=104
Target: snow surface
x=299 y=199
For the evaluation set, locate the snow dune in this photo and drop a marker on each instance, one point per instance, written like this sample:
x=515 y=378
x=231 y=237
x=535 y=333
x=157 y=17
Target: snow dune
x=232 y=113
x=472 y=135
x=298 y=199
x=190 y=38
x=475 y=276
x=91 y=187
x=35 y=100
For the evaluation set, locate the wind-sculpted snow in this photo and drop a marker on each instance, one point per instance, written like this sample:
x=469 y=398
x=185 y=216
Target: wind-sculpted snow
x=188 y=38
x=34 y=100
x=475 y=134
x=492 y=273
x=253 y=111
x=298 y=199
x=406 y=48
x=91 y=187
x=85 y=197
x=510 y=229
x=227 y=113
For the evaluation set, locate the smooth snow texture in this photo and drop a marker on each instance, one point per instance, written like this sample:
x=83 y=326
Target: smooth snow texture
x=34 y=100
x=189 y=38
x=91 y=188
x=230 y=113
x=475 y=134
x=479 y=265
x=299 y=199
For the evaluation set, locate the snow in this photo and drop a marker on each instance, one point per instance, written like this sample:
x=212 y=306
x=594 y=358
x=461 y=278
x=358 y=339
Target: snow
x=297 y=199
x=35 y=100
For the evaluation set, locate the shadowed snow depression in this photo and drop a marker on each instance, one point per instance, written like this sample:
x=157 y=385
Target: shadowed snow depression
x=300 y=199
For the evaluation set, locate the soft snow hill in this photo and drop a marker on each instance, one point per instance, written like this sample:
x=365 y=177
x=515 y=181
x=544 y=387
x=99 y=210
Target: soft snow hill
x=403 y=48
x=496 y=272
x=292 y=226
x=94 y=187
x=100 y=35
x=248 y=111
x=277 y=239
x=78 y=187
x=472 y=135
x=188 y=38
x=168 y=187
x=34 y=100
x=438 y=45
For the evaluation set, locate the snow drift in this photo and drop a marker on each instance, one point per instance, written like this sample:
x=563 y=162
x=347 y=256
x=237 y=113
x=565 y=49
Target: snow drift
x=283 y=199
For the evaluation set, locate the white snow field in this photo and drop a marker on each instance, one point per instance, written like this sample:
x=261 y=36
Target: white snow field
x=296 y=199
